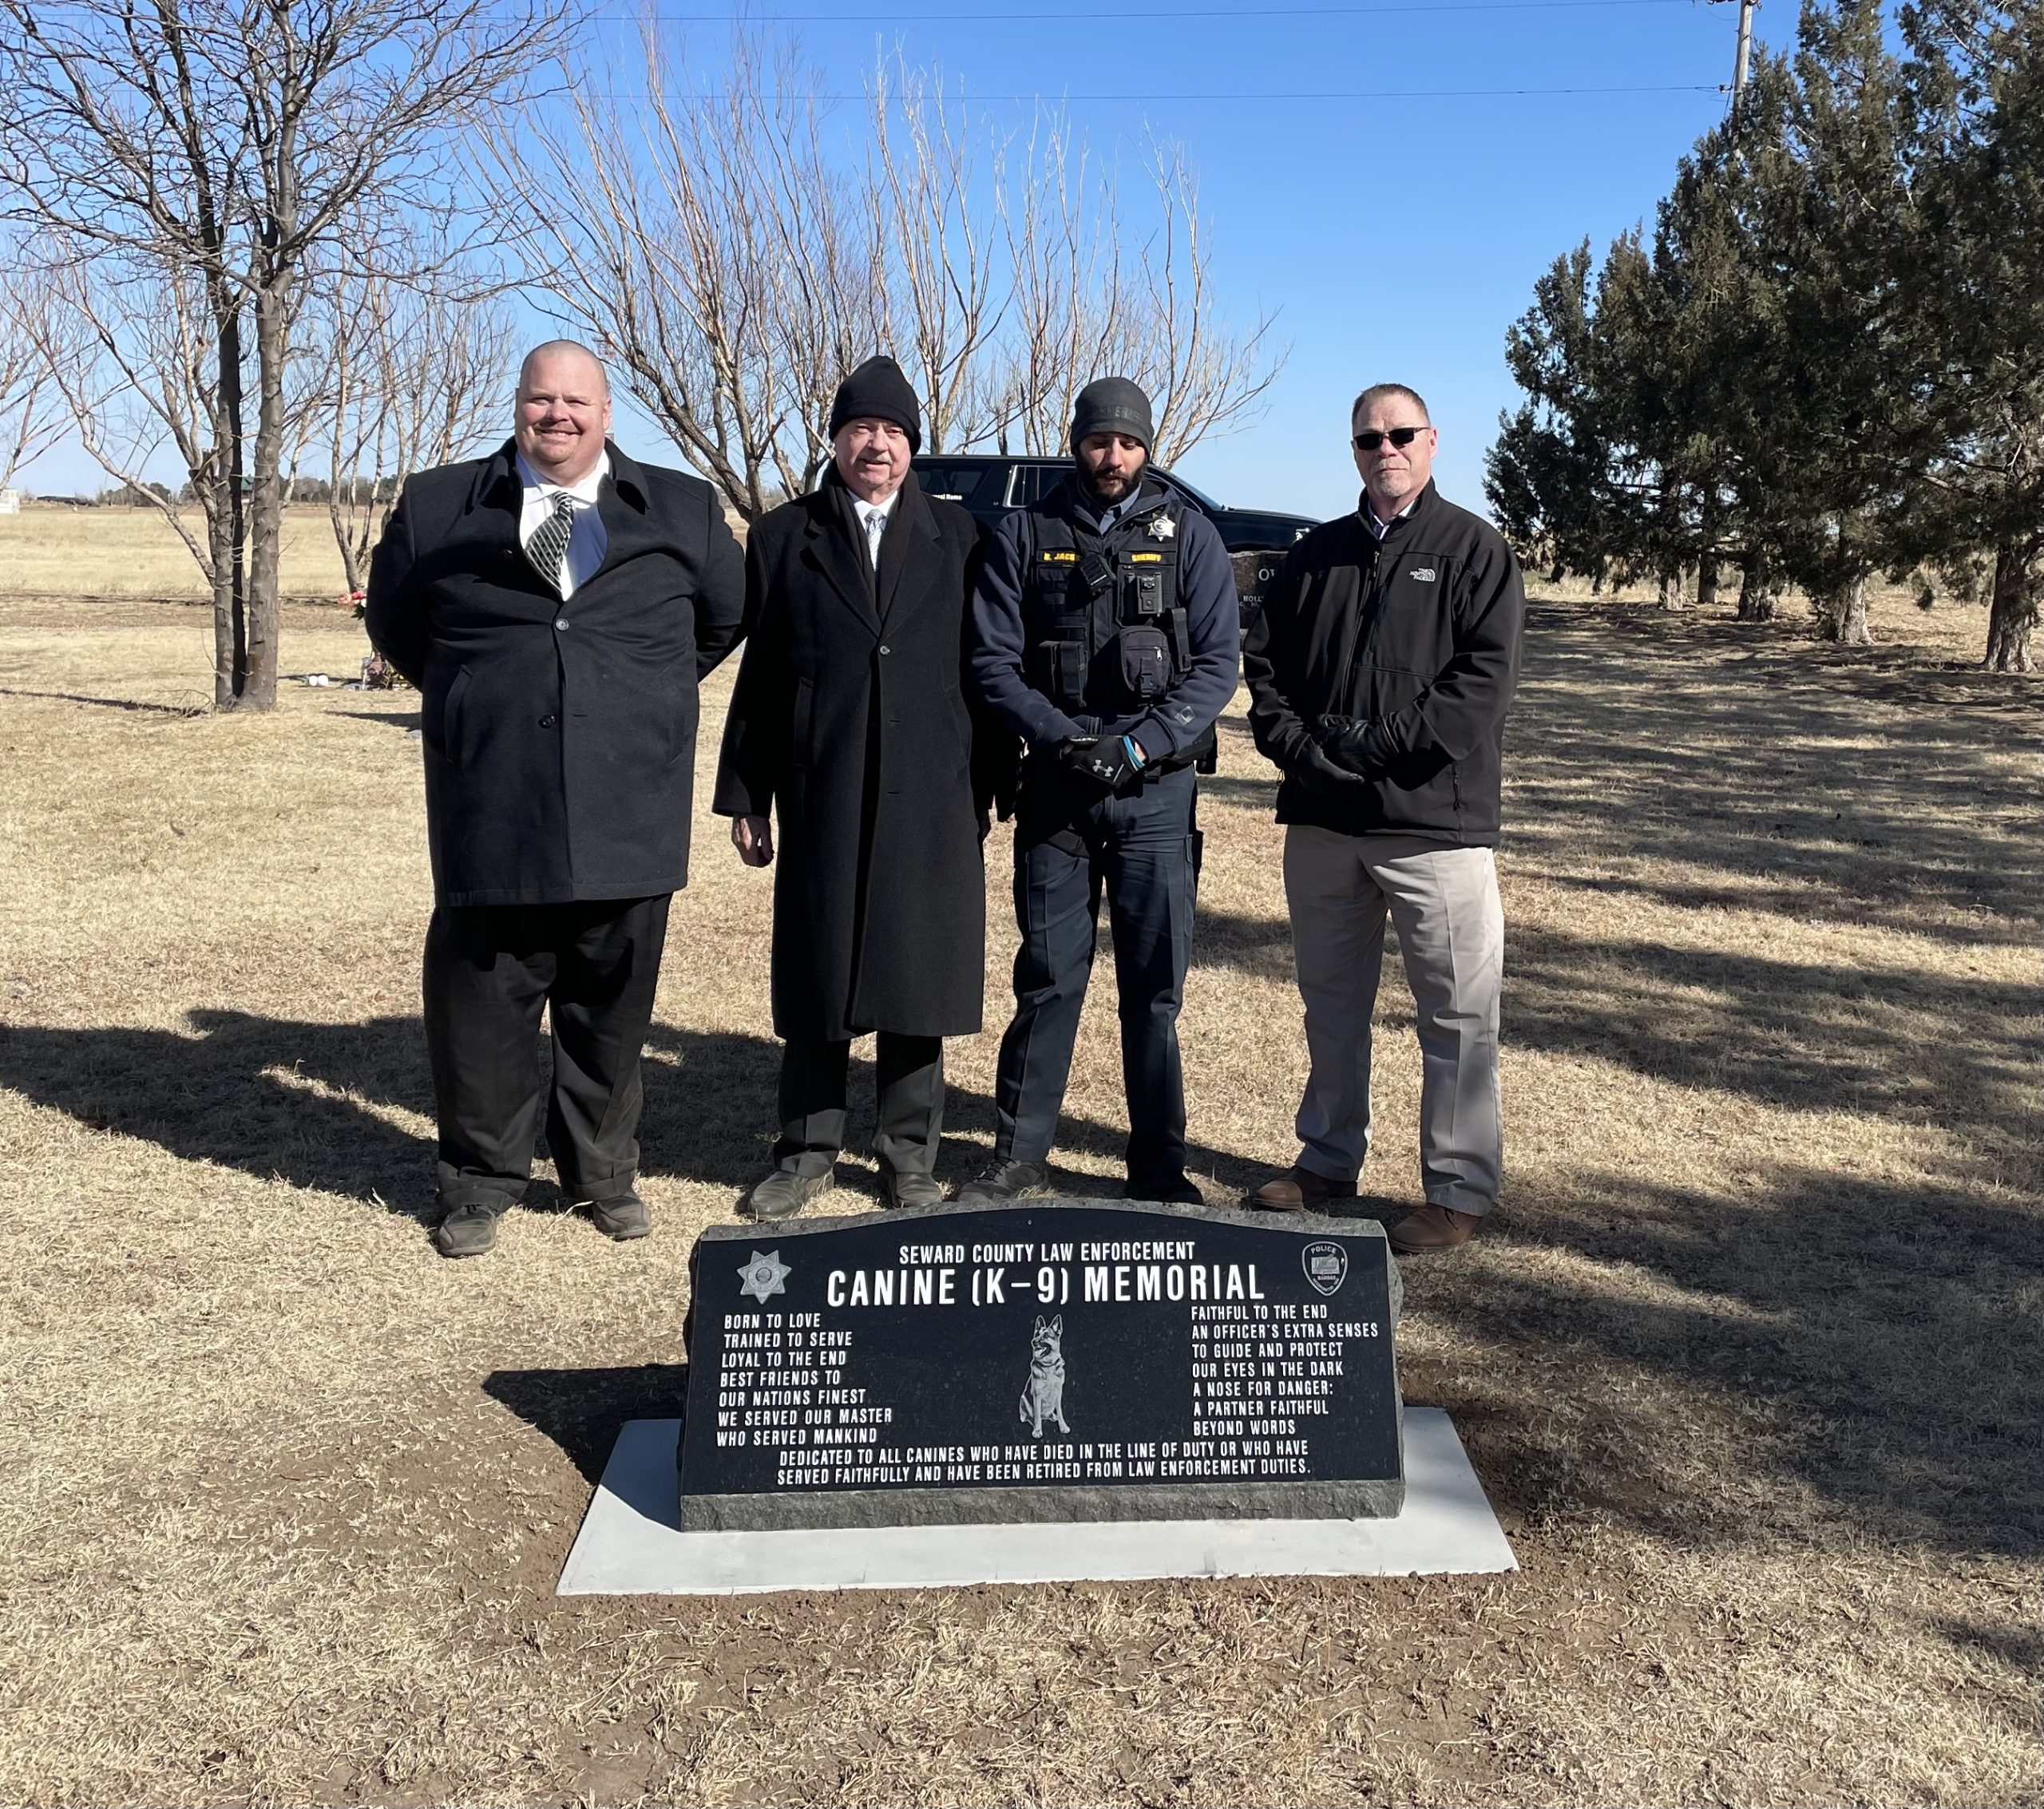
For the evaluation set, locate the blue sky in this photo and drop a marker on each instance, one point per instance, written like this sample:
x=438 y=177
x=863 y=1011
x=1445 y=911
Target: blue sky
x=1396 y=229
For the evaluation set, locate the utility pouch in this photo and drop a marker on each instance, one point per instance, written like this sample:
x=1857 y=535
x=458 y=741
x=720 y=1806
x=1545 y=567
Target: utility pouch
x=1146 y=662
x=1061 y=671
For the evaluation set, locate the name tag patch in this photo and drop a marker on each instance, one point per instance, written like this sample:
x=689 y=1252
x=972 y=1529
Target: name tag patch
x=1059 y=558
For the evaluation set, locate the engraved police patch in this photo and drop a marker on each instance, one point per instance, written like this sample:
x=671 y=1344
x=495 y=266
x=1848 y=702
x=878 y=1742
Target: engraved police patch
x=1326 y=1265
x=764 y=1275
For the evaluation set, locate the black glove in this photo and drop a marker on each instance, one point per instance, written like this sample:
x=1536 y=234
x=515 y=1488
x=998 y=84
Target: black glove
x=1344 y=740
x=1317 y=773
x=1113 y=762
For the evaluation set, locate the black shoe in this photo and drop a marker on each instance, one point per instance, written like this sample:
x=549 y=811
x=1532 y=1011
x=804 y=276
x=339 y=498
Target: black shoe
x=1168 y=1190
x=1000 y=1181
x=785 y=1192
x=912 y=1190
x=623 y=1218
x=467 y=1230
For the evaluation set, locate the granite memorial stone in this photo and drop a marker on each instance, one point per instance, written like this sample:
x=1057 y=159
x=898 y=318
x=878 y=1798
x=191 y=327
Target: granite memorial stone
x=1049 y=1361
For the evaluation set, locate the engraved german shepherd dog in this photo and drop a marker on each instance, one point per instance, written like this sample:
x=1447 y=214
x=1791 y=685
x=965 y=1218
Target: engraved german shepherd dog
x=1042 y=1394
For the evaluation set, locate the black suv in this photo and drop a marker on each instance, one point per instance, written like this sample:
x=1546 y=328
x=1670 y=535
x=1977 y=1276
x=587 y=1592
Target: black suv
x=989 y=485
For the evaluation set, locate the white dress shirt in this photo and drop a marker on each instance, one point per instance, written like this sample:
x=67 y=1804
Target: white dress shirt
x=1378 y=529
x=587 y=541
x=873 y=517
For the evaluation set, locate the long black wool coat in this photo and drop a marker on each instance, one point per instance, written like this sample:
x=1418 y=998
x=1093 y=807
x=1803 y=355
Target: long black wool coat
x=560 y=737
x=850 y=722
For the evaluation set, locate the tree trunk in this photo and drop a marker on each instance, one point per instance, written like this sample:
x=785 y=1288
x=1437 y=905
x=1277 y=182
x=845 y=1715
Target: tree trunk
x=227 y=524
x=1845 y=615
x=266 y=501
x=1758 y=596
x=2012 y=608
x=1706 y=582
x=1671 y=588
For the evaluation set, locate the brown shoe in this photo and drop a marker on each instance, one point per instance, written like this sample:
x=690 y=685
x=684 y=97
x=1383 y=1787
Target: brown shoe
x=1297 y=1190
x=1433 y=1228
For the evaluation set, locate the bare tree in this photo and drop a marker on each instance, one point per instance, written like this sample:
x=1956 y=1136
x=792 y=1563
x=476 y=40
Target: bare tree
x=131 y=347
x=709 y=246
x=736 y=257
x=33 y=356
x=1203 y=377
x=406 y=375
x=239 y=142
x=932 y=252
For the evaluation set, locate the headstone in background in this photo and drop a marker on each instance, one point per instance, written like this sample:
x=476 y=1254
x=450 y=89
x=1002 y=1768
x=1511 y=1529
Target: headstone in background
x=1049 y=1361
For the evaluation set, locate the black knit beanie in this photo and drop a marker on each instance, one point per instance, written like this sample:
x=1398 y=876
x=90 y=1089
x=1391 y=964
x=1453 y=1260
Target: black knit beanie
x=1112 y=405
x=878 y=391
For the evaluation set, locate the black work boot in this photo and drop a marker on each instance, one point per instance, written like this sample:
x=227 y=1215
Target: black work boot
x=791 y=1186
x=468 y=1230
x=1000 y=1181
x=1168 y=1189
x=623 y=1218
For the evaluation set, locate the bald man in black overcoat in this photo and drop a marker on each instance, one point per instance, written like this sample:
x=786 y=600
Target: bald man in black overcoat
x=555 y=603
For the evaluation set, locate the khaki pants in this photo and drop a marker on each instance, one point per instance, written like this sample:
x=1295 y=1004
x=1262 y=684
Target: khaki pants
x=1451 y=931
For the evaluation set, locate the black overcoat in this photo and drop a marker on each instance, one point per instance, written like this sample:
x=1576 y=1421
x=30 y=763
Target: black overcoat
x=560 y=737
x=850 y=723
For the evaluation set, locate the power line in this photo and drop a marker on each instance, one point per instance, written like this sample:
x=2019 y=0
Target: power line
x=1166 y=15
x=1354 y=94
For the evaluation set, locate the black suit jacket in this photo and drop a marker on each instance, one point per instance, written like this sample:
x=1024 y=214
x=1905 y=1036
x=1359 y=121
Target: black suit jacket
x=851 y=722
x=560 y=737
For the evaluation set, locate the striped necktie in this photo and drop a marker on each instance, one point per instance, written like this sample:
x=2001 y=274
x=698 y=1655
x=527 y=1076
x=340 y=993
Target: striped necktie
x=548 y=548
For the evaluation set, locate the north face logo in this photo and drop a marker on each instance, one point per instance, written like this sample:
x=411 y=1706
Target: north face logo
x=1422 y=574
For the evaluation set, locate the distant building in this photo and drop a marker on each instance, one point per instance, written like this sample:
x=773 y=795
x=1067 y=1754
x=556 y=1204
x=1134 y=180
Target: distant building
x=10 y=502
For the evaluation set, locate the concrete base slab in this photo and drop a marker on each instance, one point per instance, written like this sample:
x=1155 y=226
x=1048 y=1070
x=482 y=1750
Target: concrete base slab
x=631 y=1544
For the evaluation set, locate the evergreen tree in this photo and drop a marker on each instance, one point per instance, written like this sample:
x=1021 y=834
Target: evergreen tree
x=1979 y=516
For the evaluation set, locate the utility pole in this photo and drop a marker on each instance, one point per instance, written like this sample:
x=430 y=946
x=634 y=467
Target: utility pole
x=1745 y=53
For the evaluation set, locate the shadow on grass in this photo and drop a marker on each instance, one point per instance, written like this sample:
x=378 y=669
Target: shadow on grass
x=310 y=1103
x=1903 y=1044
x=1882 y=1336
x=580 y=1409
x=1701 y=762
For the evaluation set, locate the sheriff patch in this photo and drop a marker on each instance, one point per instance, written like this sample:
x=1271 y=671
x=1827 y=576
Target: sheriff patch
x=1145 y=558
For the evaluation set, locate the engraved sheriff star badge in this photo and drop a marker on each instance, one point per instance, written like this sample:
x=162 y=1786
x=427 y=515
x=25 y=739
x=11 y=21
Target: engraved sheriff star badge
x=764 y=1276
x=1162 y=527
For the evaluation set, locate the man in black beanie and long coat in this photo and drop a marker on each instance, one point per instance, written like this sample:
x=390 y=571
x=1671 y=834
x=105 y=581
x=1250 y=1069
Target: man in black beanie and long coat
x=849 y=724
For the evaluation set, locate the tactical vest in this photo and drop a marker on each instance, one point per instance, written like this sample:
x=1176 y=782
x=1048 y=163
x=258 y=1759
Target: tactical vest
x=1106 y=632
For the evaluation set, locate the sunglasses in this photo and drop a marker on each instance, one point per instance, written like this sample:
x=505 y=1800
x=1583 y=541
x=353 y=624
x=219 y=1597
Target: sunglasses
x=1398 y=437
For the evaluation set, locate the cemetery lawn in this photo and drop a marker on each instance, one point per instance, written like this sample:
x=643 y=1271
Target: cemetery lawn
x=1749 y=1360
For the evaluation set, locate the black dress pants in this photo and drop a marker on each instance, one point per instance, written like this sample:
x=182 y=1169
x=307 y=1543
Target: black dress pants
x=909 y=1079
x=490 y=970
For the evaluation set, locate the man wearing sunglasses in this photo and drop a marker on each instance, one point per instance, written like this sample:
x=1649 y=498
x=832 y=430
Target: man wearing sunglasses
x=1379 y=674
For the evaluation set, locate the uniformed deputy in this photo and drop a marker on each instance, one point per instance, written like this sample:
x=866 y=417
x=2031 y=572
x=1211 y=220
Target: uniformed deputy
x=1104 y=633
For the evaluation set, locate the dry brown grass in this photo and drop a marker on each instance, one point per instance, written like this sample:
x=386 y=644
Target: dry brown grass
x=1749 y=1361
x=51 y=550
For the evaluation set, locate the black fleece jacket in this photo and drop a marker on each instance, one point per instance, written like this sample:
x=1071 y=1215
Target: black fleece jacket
x=1419 y=636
